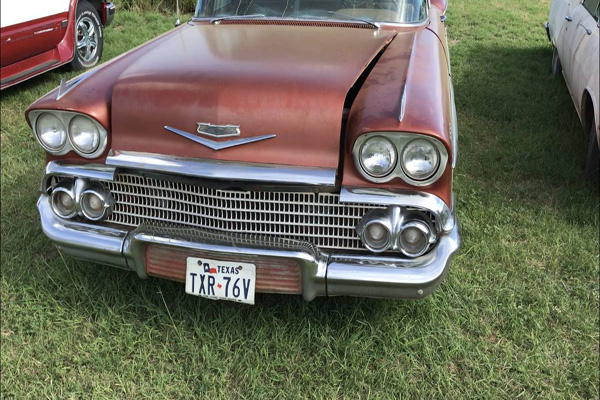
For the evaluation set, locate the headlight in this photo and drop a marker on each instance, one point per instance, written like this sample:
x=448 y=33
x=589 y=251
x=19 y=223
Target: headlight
x=84 y=134
x=378 y=156
x=63 y=199
x=376 y=236
x=420 y=159
x=414 y=238
x=51 y=132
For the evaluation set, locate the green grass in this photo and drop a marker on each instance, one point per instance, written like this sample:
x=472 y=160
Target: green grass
x=517 y=316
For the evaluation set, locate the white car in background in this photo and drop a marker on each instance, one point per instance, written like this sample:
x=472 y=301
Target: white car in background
x=573 y=30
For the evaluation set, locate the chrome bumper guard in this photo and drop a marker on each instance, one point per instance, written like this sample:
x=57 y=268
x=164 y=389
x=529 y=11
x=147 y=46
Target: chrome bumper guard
x=322 y=274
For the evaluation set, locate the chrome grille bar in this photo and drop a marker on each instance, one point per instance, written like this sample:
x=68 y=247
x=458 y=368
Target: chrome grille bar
x=318 y=218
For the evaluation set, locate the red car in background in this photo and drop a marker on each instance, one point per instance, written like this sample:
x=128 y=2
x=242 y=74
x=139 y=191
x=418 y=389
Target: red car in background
x=40 y=35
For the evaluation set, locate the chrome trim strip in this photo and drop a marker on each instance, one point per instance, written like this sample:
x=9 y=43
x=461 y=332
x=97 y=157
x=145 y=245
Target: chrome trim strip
x=211 y=144
x=92 y=171
x=348 y=21
x=402 y=104
x=226 y=170
x=453 y=127
x=443 y=214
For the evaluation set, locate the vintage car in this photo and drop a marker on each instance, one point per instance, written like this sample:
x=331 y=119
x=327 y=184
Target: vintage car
x=573 y=29
x=302 y=147
x=40 y=35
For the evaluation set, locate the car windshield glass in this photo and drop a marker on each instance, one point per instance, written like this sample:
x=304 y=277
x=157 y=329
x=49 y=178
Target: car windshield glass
x=396 y=11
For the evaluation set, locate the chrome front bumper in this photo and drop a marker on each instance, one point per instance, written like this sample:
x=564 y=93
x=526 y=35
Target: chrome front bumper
x=322 y=274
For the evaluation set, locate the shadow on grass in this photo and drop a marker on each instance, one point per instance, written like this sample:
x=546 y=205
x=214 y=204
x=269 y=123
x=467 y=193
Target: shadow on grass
x=516 y=121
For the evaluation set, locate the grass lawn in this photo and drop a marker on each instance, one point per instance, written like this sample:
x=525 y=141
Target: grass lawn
x=517 y=316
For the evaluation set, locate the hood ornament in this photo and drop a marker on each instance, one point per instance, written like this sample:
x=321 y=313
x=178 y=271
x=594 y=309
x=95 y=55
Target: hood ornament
x=218 y=131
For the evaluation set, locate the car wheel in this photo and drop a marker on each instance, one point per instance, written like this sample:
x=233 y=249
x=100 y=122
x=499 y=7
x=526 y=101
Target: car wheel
x=88 y=37
x=556 y=66
x=592 y=161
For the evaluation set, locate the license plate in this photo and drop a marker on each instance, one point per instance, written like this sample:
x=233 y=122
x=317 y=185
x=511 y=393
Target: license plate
x=220 y=280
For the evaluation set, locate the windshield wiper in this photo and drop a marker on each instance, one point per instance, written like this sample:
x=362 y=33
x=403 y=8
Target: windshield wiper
x=212 y=21
x=350 y=17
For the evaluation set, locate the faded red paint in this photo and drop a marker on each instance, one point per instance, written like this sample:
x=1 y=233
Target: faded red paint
x=244 y=75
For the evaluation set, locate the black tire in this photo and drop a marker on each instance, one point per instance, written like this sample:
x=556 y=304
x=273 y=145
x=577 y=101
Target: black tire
x=88 y=37
x=592 y=161
x=556 y=66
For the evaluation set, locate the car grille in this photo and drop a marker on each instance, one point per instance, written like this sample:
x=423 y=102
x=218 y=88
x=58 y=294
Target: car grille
x=318 y=218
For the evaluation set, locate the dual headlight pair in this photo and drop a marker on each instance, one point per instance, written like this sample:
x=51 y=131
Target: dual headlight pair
x=59 y=132
x=417 y=159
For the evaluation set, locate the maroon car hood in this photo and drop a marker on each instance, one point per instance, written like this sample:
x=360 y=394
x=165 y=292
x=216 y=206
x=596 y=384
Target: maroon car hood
x=282 y=80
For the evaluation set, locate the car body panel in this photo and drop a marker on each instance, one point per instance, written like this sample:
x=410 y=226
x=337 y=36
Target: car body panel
x=233 y=74
x=577 y=44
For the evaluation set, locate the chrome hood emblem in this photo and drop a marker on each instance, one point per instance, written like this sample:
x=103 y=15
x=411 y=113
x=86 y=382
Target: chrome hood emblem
x=218 y=131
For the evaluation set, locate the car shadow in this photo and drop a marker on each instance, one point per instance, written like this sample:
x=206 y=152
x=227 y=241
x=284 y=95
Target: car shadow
x=517 y=123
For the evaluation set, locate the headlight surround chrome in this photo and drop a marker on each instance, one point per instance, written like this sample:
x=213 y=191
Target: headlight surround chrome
x=400 y=141
x=91 y=145
x=50 y=132
x=378 y=156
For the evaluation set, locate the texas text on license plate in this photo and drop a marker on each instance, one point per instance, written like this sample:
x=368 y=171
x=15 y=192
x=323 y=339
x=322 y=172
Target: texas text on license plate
x=220 y=280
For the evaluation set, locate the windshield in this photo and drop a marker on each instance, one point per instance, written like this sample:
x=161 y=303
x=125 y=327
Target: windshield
x=396 y=11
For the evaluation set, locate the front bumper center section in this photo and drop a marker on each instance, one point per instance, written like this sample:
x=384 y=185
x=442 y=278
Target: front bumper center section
x=283 y=266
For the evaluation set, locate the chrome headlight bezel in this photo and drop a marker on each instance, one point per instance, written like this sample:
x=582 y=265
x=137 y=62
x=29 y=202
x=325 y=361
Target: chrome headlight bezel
x=400 y=140
x=65 y=117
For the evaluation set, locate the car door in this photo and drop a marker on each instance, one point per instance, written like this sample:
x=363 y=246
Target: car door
x=581 y=48
x=31 y=27
x=558 y=10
